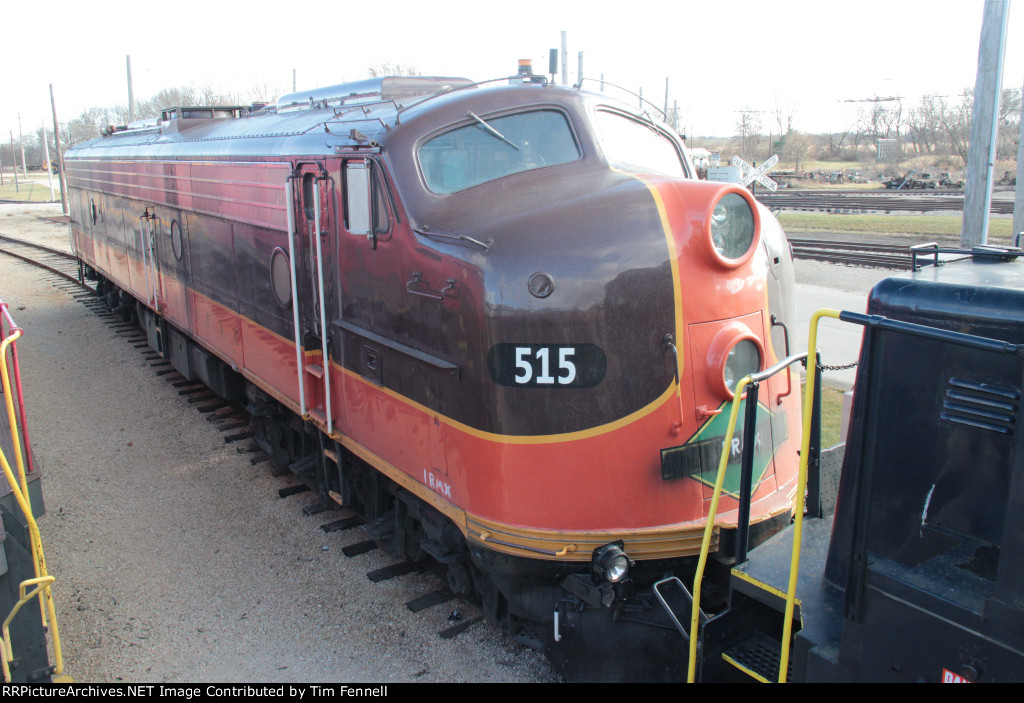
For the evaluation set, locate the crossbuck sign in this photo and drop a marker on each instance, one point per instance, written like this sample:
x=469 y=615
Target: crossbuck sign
x=751 y=174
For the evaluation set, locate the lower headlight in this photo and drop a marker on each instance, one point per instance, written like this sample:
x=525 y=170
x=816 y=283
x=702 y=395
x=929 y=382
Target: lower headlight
x=743 y=359
x=611 y=563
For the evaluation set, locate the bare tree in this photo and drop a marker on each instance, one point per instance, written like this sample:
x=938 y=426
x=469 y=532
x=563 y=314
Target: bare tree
x=264 y=92
x=862 y=130
x=749 y=130
x=84 y=127
x=784 y=116
x=886 y=119
x=795 y=148
x=956 y=122
x=387 y=68
x=924 y=125
x=1009 y=123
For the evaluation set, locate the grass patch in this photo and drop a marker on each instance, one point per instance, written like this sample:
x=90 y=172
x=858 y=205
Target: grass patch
x=924 y=226
x=28 y=192
x=831 y=415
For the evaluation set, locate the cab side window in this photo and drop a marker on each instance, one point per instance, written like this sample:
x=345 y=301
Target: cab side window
x=633 y=145
x=381 y=217
x=367 y=201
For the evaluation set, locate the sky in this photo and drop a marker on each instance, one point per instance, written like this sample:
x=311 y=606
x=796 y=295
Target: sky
x=719 y=58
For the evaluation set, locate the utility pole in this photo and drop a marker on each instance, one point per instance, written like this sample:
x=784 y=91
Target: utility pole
x=21 y=138
x=131 y=92
x=13 y=156
x=666 y=98
x=565 y=58
x=1018 y=198
x=60 y=156
x=579 y=69
x=294 y=74
x=49 y=166
x=981 y=155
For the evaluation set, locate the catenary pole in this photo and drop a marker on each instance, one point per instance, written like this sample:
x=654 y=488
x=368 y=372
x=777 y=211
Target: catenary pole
x=981 y=154
x=131 y=91
x=565 y=58
x=60 y=156
x=21 y=138
x=15 y=157
x=1018 y=200
x=49 y=166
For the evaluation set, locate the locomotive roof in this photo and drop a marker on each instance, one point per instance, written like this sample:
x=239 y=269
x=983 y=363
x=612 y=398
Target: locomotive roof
x=991 y=279
x=364 y=114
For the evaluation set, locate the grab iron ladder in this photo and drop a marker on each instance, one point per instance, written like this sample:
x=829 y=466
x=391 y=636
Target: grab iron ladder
x=304 y=366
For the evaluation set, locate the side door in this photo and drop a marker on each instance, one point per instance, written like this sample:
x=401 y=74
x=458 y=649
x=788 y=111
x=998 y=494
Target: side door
x=312 y=254
x=385 y=299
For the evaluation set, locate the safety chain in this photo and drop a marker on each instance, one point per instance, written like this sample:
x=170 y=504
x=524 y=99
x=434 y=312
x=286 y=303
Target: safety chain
x=844 y=367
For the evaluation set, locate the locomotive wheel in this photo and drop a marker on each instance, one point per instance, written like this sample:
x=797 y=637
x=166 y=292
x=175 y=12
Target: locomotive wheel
x=460 y=579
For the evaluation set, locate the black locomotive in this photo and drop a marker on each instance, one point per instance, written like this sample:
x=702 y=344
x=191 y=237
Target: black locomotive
x=917 y=576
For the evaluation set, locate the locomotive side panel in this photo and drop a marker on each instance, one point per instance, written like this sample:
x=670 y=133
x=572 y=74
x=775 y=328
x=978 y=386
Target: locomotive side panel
x=172 y=257
x=400 y=344
x=138 y=230
x=212 y=286
x=264 y=304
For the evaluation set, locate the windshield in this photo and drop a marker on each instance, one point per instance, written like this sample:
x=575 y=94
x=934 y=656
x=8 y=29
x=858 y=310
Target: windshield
x=637 y=146
x=493 y=147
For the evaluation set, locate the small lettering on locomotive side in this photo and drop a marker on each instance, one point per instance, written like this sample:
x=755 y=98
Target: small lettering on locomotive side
x=436 y=484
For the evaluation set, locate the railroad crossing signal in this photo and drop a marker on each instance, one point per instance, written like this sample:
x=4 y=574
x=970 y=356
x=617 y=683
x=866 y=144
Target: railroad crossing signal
x=751 y=174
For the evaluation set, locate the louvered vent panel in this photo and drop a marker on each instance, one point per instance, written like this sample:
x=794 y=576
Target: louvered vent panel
x=981 y=405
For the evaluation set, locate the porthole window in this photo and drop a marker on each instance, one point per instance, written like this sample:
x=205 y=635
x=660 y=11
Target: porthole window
x=281 y=277
x=176 y=239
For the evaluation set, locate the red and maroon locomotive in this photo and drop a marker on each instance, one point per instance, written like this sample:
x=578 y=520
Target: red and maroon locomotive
x=499 y=320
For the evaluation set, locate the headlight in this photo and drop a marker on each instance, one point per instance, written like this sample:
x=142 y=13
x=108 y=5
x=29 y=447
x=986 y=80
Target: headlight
x=735 y=351
x=610 y=562
x=732 y=229
x=743 y=359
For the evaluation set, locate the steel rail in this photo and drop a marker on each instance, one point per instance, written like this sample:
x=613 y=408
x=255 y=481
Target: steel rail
x=73 y=278
x=43 y=247
x=916 y=202
x=849 y=252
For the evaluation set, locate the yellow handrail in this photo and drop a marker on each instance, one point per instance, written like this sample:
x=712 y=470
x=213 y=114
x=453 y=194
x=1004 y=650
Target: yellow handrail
x=798 y=507
x=798 y=520
x=709 y=528
x=21 y=495
x=6 y=648
x=9 y=398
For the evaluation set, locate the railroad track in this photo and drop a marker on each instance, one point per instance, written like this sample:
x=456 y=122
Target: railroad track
x=890 y=256
x=849 y=202
x=57 y=262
